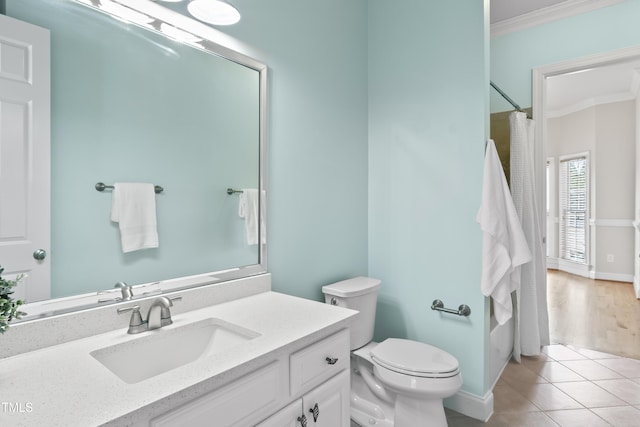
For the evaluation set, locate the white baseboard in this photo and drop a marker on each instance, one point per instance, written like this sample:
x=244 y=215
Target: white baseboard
x=573 y=268
x=614 y=277
x=471 y=405
x=583 y=270
x=636 y=286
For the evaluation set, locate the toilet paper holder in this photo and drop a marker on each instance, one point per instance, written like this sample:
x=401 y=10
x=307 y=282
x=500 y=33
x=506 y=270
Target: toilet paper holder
x=463 y=309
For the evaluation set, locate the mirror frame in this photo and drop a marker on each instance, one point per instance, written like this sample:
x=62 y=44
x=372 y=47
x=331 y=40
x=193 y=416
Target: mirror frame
x=213 y=42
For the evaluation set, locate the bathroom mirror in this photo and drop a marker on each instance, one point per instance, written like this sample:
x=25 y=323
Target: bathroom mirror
x=152 y=101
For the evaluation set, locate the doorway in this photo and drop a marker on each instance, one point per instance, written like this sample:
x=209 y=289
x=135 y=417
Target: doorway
x=576 y=114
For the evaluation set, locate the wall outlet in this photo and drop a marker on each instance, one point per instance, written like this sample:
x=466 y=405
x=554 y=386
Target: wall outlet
x=610 y=258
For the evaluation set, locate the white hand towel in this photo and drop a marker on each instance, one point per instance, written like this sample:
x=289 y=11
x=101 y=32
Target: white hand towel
x=504 y=246
x=248 y=208
x=134 y=209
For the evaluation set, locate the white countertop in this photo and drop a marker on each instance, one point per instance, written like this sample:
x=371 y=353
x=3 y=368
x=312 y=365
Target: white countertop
x=64 y=385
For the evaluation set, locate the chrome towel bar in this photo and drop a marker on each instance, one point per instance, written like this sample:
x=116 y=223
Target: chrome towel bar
x=231 y=191
x=463 y=310
x=101 y=186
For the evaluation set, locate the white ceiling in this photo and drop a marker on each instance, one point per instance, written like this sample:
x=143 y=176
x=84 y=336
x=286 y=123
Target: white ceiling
x=574 y=91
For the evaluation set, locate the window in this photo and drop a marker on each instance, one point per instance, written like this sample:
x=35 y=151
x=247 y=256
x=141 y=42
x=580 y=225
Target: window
x=573 y=203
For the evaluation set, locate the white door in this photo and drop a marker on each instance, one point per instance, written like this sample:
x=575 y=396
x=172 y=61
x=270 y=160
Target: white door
x=290 y=416
x=24 y=155
x=328 y=404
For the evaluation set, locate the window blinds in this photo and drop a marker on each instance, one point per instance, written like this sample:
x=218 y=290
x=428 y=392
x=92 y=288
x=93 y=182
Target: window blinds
x=573 y=194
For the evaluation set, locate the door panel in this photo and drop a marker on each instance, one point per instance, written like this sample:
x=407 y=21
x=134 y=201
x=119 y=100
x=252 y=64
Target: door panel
x=332 y=400
x=25 y=155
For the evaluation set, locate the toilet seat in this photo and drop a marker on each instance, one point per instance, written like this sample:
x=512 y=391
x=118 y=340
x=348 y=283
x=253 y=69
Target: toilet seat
x=415 y=359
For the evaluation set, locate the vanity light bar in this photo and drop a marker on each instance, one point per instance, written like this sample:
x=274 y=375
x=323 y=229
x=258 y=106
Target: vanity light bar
x=126 y=14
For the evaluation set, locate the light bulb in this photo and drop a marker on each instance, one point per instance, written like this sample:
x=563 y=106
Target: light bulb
x=214 y=12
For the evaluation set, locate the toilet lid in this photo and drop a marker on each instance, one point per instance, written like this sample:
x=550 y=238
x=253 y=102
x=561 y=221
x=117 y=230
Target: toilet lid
x=414 y=358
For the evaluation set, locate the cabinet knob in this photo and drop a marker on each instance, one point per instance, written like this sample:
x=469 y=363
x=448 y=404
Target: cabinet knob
x=331 y=360
x=303 y=421
x=316 y=412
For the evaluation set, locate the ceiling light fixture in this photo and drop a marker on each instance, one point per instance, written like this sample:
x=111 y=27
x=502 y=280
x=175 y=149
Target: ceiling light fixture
x=215 y=12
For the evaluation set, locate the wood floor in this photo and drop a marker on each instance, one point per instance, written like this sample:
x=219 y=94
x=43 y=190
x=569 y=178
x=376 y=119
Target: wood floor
x=594 y=314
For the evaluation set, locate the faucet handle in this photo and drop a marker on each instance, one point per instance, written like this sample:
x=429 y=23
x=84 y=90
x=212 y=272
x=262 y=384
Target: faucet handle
x=135 y=323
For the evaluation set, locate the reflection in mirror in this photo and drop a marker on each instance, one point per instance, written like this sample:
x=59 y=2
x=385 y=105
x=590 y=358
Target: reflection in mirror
x=129 y=104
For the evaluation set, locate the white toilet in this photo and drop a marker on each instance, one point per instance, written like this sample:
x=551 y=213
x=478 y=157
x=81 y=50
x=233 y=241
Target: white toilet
x=396 y=383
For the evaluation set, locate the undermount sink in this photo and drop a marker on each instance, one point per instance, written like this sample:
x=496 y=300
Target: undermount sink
x=162 y=350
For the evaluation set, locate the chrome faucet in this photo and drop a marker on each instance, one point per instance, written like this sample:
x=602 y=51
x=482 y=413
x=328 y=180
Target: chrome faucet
x=159 y=315
x=127 y=292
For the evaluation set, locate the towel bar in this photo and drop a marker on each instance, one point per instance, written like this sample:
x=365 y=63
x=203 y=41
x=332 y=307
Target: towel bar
x=463 y=310
x=231 y=191
x=101 y=186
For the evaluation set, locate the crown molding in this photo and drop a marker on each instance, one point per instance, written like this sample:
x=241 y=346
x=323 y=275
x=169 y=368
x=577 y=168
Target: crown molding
x=588 y=103
x=548 y=14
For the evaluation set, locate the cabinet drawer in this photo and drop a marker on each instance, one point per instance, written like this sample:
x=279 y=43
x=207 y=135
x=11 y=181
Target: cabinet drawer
x=318 y=362
x=240 y=403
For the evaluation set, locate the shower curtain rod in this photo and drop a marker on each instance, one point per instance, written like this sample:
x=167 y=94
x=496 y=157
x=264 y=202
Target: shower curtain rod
x=505 y=96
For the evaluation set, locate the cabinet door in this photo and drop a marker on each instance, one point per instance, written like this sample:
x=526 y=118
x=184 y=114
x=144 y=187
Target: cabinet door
x=287 y=417
x=328 y=404
x=238 y=404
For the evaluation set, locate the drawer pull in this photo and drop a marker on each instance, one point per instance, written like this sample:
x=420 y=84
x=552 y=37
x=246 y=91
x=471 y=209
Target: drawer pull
x=303 y=421
x=331 y=360
x=316 y=412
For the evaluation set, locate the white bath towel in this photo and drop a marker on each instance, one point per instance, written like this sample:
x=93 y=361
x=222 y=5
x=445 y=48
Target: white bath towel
x=248 y=208
x=134 y=209
x=504 y=246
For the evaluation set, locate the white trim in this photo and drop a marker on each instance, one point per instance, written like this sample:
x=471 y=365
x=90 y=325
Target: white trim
x=548 y=14
x=636 y=286
x=614 y=277
x=573 y=65
x=570 y=267
x=588 y=103
x=612 y=222
x=471 y=405
x=583 y=270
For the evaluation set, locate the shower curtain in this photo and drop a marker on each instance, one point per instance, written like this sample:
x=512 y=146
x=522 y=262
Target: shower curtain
x=530 y=299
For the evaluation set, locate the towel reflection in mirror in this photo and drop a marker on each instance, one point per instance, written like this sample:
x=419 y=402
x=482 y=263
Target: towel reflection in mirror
x=134 y=209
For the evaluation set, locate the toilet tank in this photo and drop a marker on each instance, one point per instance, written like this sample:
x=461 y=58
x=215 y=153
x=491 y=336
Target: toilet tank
x=359 y=293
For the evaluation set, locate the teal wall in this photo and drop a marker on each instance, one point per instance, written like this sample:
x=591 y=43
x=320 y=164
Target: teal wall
x=376 y=142
x=427 y=118
x=317 y=164
x=514 y=55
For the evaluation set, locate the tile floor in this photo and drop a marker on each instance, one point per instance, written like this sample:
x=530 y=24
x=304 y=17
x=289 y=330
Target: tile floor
x=564 y=386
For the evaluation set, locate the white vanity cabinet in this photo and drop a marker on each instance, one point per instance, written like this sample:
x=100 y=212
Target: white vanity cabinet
x=239 y=403
x=320 y=374
x=313 y=383
x=330 y=401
